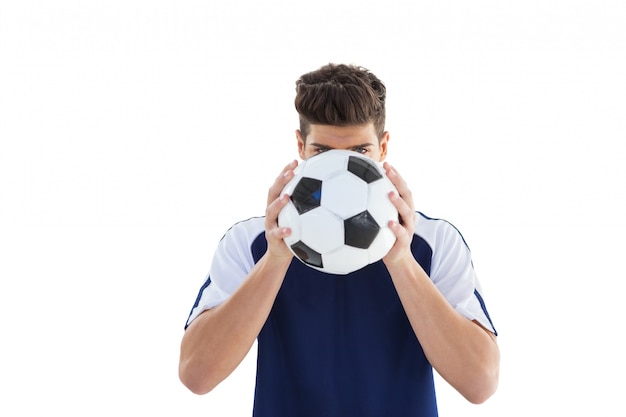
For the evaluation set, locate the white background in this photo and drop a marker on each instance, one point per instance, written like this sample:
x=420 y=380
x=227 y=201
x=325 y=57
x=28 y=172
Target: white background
x=134 y=133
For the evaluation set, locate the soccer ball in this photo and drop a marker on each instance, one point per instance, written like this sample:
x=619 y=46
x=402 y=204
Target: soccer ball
x=339 y=211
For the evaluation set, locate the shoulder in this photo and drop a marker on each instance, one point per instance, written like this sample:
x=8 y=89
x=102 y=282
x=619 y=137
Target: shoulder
x=233 y=258
x=235 y=246
x=245 y=231
x=451 y=258
x=438 y=233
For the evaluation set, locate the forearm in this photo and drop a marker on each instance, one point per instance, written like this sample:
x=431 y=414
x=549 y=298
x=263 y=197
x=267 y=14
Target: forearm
x=462 y=352
x=218 y=340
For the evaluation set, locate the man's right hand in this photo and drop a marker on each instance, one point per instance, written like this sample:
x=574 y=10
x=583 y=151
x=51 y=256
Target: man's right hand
x=274 y=234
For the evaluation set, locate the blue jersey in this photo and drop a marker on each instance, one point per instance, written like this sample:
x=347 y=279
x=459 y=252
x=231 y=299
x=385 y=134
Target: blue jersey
x=342 y=345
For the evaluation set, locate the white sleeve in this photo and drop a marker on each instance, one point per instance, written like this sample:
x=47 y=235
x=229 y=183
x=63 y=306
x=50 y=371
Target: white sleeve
x=453 y=273
x=232 y=262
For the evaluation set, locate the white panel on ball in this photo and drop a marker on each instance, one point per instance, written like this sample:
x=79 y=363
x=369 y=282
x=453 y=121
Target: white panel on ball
x=321 y=230
x=378 y=203
x=325 y=165
x=345 y=195
x=345 y=260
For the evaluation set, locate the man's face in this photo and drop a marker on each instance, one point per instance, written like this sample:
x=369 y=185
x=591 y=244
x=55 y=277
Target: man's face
x=359 y=138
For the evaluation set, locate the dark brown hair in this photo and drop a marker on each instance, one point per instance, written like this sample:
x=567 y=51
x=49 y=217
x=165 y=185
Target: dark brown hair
x=340 y=95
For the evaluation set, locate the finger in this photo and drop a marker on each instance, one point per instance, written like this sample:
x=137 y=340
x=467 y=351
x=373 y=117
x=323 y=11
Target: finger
x=398 y=230
x=400 y=184
x=280 y=232
x=273 y=232
x=283 y=178
x=405 y=211
x=273 y=209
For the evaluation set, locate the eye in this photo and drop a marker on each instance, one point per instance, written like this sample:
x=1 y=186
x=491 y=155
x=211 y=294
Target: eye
x=321 y=150
x=361 y=149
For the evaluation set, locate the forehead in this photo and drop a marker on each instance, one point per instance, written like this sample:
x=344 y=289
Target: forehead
x=342 y=136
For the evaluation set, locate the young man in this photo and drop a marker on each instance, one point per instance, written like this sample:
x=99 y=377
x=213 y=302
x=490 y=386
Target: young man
x=363 y=344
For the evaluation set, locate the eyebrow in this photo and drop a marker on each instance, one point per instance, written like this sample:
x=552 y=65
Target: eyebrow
x=362 y=145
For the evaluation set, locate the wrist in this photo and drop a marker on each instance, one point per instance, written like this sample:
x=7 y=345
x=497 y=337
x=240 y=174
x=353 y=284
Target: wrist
x=277 y=260
x=405 y=266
